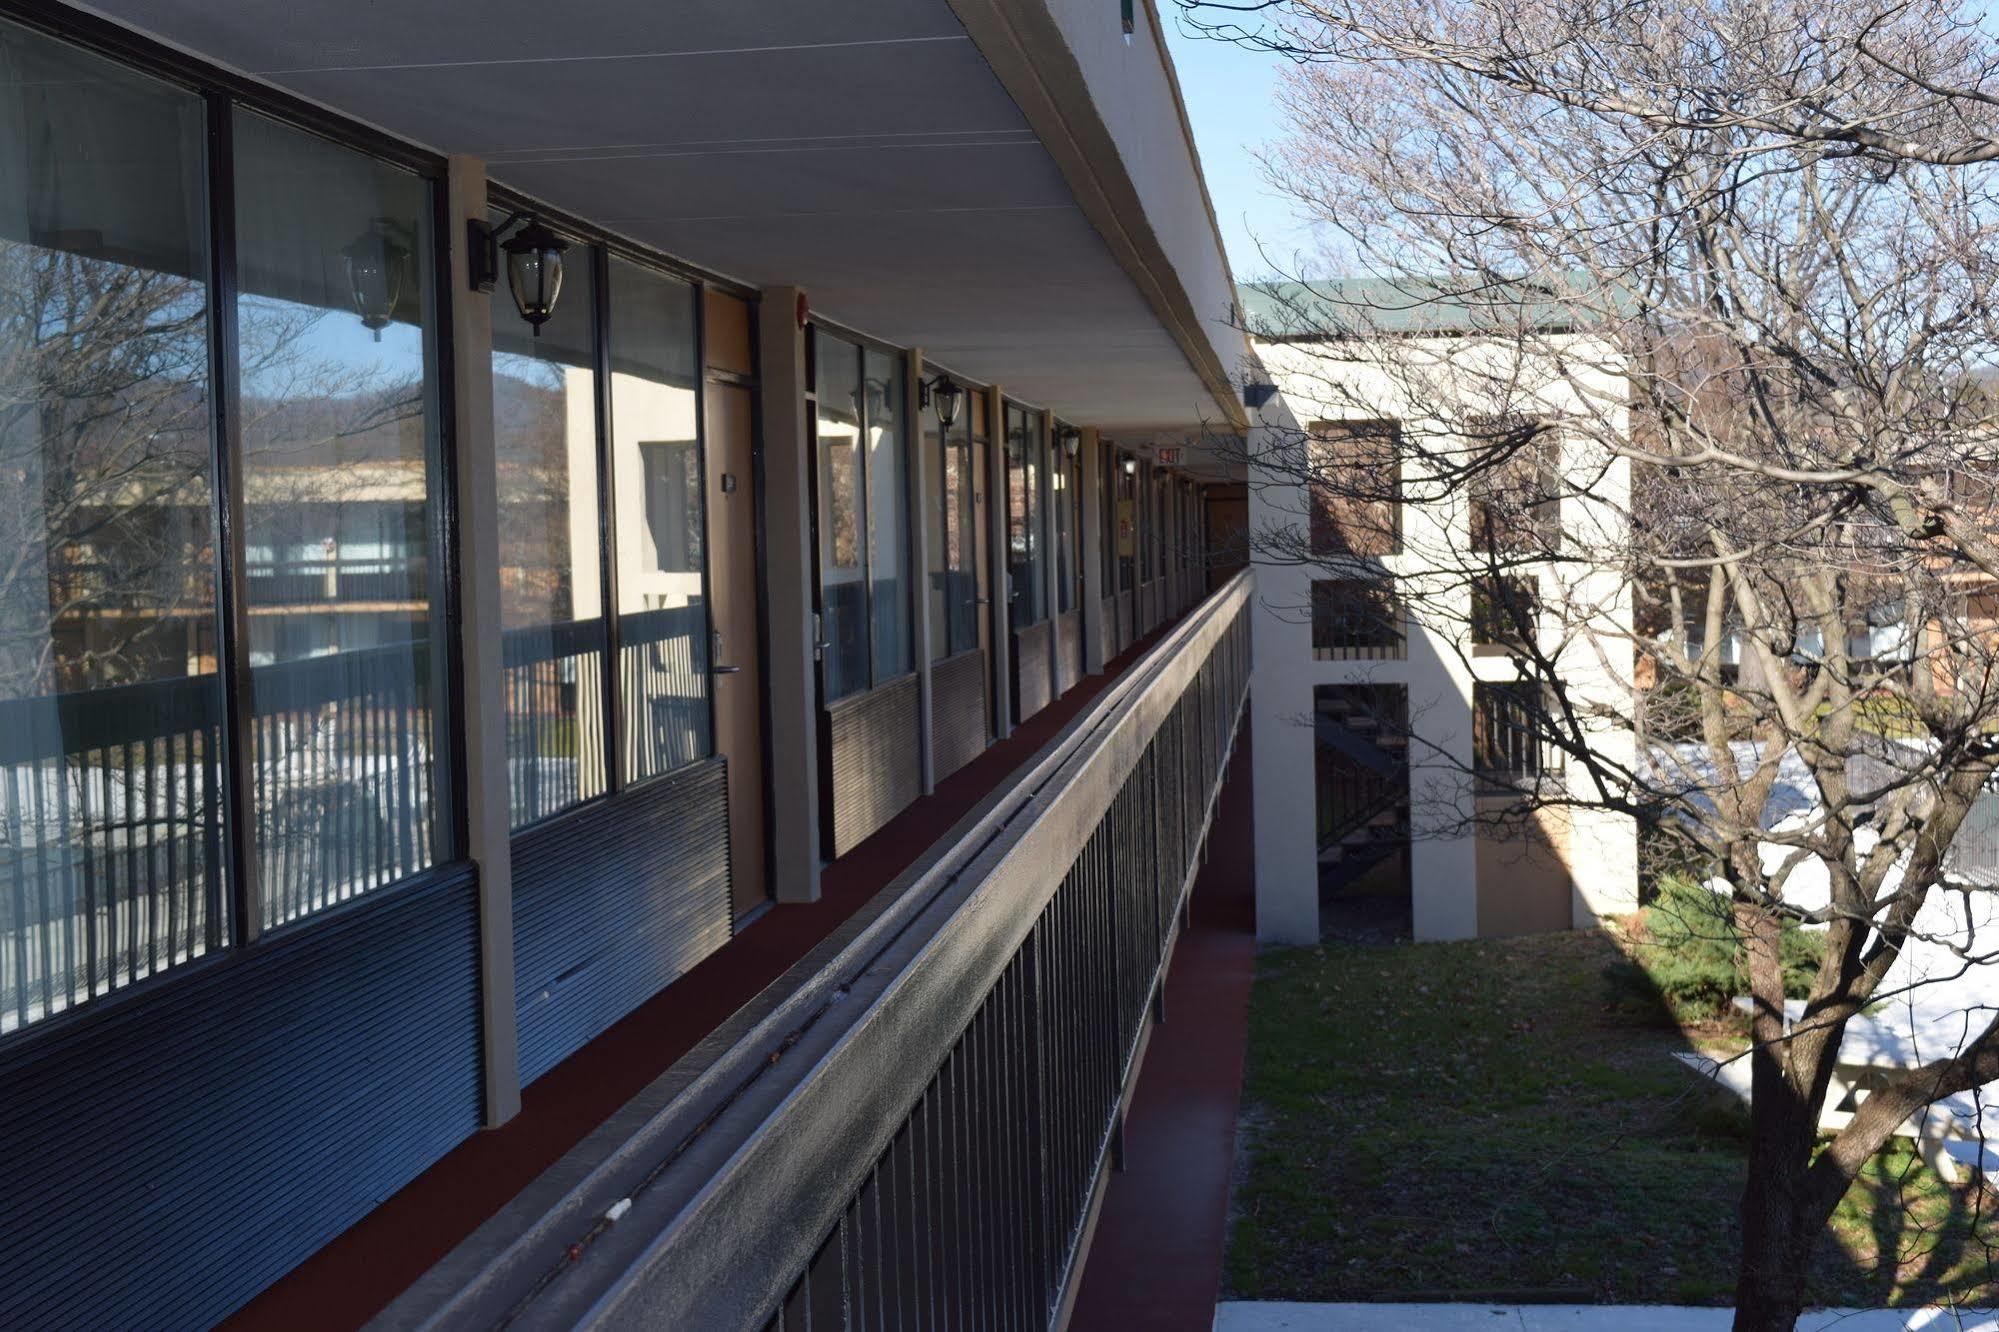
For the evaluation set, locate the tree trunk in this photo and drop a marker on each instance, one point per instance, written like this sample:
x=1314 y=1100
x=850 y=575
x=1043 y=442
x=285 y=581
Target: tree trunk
x=1777 y=1236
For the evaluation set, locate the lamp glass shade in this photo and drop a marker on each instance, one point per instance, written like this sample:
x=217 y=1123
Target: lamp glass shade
x=948 y=397
x=375 y=264
x=534 y=272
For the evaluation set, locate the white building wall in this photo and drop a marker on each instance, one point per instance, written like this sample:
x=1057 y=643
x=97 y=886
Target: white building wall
x=1438 y=674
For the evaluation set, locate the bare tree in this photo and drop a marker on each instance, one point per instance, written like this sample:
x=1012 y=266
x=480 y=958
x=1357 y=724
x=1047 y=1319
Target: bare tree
x=1744 y=252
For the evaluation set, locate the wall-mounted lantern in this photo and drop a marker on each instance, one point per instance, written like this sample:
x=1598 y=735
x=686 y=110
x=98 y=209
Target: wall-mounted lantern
x=946 y=395
x=1071 y=439
x=1130 y=465
x=534 y=264
x=376 y=262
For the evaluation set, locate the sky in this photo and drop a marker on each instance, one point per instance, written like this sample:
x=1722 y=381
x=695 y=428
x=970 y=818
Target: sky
x=1231 y=101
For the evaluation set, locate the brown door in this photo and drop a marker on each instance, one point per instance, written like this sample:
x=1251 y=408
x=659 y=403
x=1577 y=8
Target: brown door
x=732 y=580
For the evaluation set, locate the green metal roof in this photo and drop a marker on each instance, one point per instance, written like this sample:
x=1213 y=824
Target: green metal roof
x=1373 y=307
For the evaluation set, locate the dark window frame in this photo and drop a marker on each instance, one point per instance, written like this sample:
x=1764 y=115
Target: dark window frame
x=223 y=96
x=862 y=345
x=591 y=248
x=1326 y=532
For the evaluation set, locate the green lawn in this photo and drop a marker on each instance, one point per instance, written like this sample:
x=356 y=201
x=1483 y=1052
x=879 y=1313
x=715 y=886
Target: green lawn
x=1491 y=1118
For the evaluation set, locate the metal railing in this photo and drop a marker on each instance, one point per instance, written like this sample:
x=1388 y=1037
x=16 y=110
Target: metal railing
x=111 y=836
x=1357 y=620
x=912 y=1125
x=910 y=1128
x=554 y=691
x=398 y=579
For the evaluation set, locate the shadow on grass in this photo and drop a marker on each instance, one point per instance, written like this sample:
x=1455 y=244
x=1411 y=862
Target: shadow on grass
x=1497 y=1119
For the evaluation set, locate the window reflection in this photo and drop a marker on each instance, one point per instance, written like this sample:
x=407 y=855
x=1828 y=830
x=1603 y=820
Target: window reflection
x=843 y=589
x=551 y=579
x=888 y=527
x=1026 y=450
x=1064 y=491
x=111 y=831
x=655 y=444
x=338 y=426
x=960 y=577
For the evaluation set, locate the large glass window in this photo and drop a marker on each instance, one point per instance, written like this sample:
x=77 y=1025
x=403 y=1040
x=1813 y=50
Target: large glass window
x=551 y=573
x=111 y=863
x=951 y=493
x=339 y=428
x=863 y=479
x=1026 y=472
x=888 y=521
x=936 y=466
x=1125 y=480
x=843 y=574
x=655 y=442
x=1065 y=498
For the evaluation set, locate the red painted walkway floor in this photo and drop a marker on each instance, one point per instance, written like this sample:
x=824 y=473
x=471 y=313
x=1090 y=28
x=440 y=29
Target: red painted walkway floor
x=1156 y=1258
x=353 y=1278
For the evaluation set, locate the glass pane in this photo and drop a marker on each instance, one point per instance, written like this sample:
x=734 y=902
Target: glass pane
x=937 y=536
x=1025 y=463
x=334 y=307
x=843 y=587
x=1125 y=521
x=551 y=577
x=888 y=506
x=1107 y=507
x=1062 y=501
x=111 y=847
x=959 y=497
x=656 y=476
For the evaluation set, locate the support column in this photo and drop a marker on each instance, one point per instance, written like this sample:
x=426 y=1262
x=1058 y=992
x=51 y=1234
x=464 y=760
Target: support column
x=483 y=687
x=1285 y=792
x=1002 y=611
x=1090 y=476
x=793 y=684
x=920 y=500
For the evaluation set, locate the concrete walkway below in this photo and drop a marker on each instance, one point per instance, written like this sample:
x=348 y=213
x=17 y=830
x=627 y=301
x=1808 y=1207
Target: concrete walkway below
x=1272 y=1316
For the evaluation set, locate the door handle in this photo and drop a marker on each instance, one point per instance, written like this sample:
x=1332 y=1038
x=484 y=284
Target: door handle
x=723 y=670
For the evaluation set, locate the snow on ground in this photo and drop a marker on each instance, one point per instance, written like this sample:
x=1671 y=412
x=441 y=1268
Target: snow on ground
x=1933 y=1002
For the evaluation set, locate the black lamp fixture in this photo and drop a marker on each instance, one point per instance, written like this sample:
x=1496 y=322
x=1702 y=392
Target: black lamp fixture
x=534 y=264
x=946 y=395
x=1130 y=465
x=1071 y=439
x=376 y=263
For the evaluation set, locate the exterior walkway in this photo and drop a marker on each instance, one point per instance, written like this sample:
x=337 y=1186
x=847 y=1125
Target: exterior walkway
x=355 y=1277
x=1156 y=1258
x=1279 y=1317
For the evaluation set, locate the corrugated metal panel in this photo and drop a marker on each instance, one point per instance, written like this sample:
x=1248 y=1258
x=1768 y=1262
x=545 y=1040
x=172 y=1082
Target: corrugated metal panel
x=958 y=725
x=167 y=1161
x=873 y=755
x=615 y=902
x=1068 y=651
x=1031 y=651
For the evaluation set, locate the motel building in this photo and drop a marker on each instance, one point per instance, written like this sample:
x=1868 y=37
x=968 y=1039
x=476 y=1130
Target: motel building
x=619 y=638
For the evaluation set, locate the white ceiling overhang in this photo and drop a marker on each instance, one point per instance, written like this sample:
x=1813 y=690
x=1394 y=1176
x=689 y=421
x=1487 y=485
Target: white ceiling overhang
x=863 y=150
